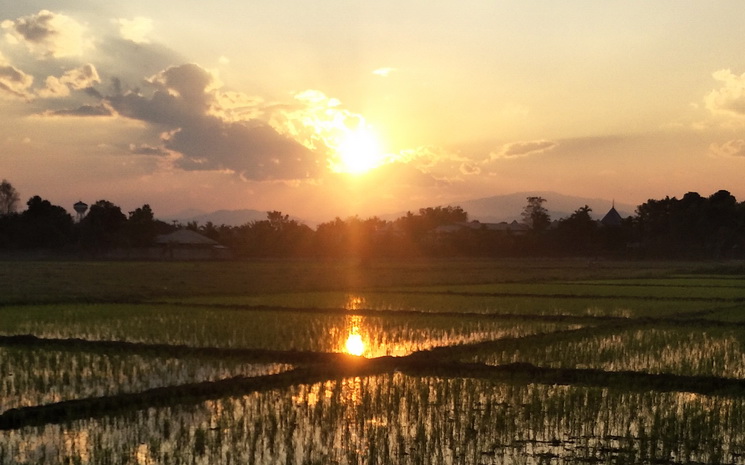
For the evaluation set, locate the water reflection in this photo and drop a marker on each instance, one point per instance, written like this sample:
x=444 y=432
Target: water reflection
x=403 y=420
x=354 y=345
x=354 y=302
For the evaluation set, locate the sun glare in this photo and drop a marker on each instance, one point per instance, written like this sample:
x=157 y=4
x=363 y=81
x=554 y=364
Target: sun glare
x=355 y=345
x=358 y=151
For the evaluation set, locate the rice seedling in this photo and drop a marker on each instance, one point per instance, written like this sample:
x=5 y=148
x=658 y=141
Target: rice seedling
x=397 y=419
x=620 y=364
x=66 y=375
x=435 y=302
x=258 y=329
x=692 y=351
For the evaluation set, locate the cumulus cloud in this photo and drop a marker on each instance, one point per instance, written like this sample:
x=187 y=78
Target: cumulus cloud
x=730 y=98
x=732 y=148
x=53 y=87
x=14 y=83
x=315 y=120
x=48 y=34
x=136 y=29
x=237 y=106
x=185 y=108
x=442 y=164
x=81 y=78
x=524 y=149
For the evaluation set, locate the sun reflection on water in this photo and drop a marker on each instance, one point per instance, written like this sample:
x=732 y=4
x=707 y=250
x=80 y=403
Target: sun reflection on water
x=355 y=344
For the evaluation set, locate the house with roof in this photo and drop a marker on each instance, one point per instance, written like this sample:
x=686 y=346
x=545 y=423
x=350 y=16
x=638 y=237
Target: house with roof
x=185 y=244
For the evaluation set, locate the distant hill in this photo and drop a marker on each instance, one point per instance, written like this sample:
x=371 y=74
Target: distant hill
x=487 y=210
x=510 y=207
x=219 y=217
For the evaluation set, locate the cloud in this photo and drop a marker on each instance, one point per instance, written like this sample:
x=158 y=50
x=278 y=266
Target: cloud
x=84 y=110
x=253 y=151
x=136 y=29
x=400 y=174
x=145 y=149
x=524 y=149
x=470 y=168
x=14 y=83
x=315 y=120
x=54 y=88
x=384 y=72
x=179 y=99
x=732 y=148
x=82 y=78
x=730 y=98
x=237 y=106
x=185 y=107
x=48 y=34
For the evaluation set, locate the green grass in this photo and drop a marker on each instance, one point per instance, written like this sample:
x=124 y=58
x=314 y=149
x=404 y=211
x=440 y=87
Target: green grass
x=258 y=329
x=423 y=301
x=29 y=281
x=733 y=314
x=681 y=290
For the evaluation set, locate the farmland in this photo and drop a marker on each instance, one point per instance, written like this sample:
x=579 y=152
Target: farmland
x=432 y=362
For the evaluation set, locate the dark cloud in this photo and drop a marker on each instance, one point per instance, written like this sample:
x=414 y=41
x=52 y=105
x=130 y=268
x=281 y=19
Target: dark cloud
x=84 y=110
x=256 y=152
x=145 y=149
x=93 y=92
x=181 y=106
x=36 y=28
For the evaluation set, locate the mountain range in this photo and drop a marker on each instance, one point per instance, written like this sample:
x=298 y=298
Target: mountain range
x=492 y=209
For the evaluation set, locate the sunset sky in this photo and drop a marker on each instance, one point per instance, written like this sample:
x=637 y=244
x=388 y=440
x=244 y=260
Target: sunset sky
x=333 y=108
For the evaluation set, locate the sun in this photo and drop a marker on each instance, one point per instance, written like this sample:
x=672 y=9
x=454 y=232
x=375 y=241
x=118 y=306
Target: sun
x=358 y=151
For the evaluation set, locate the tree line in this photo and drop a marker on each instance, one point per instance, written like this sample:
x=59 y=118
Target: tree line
x=691 y=227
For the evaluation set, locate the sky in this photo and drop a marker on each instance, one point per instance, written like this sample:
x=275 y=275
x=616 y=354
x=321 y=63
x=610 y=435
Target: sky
x=350 y=107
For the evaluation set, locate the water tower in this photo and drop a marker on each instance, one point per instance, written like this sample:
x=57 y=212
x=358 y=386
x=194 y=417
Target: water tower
x=80 y=207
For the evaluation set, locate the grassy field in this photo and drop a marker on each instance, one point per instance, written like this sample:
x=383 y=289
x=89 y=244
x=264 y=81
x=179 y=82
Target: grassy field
x=436 y=361
x=32 y=281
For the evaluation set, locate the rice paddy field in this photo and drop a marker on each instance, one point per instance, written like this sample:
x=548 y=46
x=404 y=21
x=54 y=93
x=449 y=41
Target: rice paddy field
x=424 y=362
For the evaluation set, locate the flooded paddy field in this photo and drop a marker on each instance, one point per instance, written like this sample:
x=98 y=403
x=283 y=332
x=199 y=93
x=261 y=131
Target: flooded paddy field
x=632 y=367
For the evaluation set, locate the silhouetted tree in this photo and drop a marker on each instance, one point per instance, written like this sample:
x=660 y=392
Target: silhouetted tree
x=278 y=235
x=418 y=227
x=44 y=225
x=102 y=226
x=691 y=227
x=141 y=227
x=9 y=198
x=577 y=233
x=535 y=214
x=351 y=238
